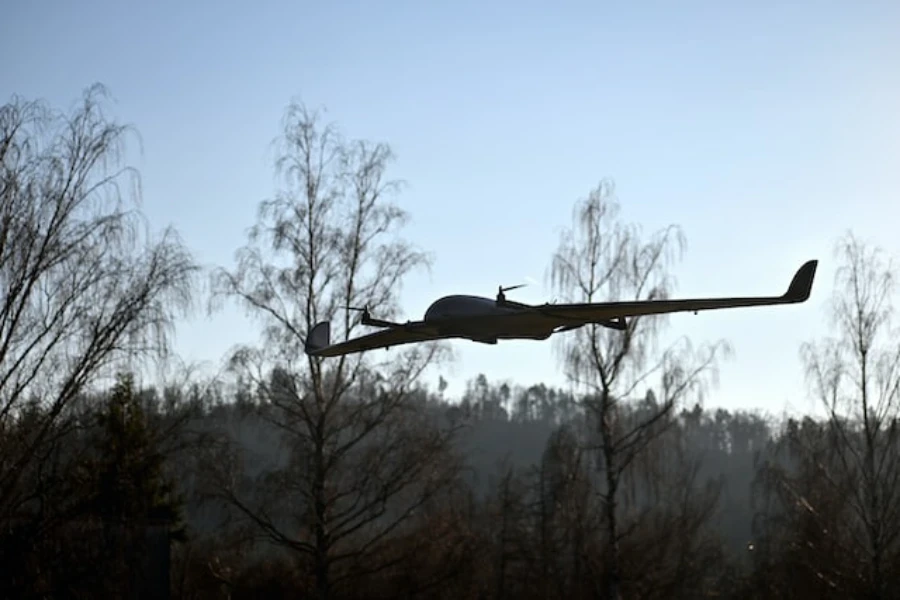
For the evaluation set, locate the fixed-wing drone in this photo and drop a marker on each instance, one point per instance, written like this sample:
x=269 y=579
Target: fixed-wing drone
x=487 y=320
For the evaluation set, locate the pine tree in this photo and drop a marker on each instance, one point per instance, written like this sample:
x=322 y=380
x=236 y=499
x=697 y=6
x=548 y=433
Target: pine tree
x=132 y=493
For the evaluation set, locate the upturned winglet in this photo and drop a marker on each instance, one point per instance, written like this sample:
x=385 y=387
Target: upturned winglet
x=319 y=338
x=801 y=284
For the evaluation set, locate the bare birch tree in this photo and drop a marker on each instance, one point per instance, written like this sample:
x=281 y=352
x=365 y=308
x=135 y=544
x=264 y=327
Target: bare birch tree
x=83 y=288
x=855 y=373
x=603 y=259
x=364 y=456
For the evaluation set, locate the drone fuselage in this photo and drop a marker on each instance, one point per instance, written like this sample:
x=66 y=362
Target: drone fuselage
x=481 y=323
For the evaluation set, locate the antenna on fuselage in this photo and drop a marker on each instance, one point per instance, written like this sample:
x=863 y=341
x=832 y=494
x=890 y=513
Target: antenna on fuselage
x=501 y=297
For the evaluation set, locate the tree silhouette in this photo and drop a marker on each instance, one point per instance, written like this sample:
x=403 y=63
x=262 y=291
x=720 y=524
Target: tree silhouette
x=133 y=493
x=84 y=291
x=603 y=259
x=363 y=454
x=856 y=375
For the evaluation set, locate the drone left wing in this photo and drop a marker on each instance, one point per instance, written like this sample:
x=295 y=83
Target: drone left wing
x=318 y=343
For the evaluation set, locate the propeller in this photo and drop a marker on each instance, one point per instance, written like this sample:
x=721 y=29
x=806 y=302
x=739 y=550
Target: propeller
x=368 y=320
x=364 y=310
x=501 y=297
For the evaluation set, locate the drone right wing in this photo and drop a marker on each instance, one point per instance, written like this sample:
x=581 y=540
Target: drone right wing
x=318 y=343
x=798 y=291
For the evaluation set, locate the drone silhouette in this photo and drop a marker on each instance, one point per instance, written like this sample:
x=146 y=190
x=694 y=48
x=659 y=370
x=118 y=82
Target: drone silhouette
x=487 y=320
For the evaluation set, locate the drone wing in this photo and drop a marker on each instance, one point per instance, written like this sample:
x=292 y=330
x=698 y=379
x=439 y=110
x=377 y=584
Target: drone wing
x=798 y=291
x=318 y=343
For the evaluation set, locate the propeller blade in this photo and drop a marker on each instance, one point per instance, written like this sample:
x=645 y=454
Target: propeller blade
x=512 y=287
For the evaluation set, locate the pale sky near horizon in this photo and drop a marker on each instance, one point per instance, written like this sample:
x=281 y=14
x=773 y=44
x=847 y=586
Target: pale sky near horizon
x=764 y=129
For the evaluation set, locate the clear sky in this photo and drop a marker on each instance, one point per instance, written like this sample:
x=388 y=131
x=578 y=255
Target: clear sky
x=764 y=129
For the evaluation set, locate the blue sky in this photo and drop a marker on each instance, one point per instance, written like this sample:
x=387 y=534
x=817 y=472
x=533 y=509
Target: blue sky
x=764 y=129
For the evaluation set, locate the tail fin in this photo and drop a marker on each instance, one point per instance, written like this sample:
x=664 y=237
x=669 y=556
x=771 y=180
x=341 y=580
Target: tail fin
x=319 y=337
x=801 y=284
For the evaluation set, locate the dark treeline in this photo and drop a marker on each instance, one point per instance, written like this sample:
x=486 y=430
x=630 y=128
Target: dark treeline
x=352 y=478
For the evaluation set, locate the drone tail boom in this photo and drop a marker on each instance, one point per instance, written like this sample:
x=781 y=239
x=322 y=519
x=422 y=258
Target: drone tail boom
x=319 y=337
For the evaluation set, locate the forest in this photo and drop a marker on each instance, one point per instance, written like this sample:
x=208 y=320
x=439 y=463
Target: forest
x=287 y=476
